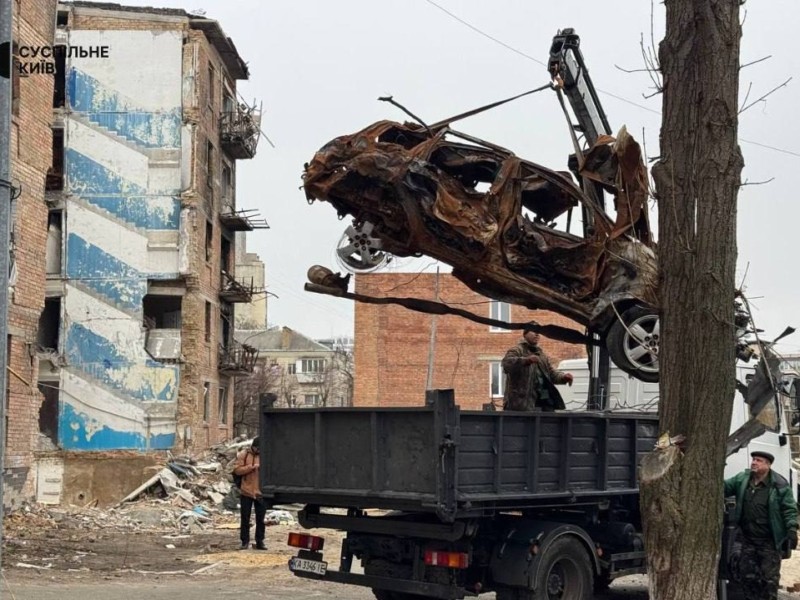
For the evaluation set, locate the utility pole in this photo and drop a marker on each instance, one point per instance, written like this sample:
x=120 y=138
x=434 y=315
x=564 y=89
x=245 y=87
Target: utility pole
x=432 y=346
x=5 y=212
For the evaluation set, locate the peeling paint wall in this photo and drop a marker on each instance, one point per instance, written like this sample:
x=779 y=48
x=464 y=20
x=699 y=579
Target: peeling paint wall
x=123 y=155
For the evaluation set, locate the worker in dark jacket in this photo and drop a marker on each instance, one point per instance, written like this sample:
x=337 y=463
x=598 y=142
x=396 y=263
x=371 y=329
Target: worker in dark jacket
x=247 y=463
x=766 y=513
x=530 y=378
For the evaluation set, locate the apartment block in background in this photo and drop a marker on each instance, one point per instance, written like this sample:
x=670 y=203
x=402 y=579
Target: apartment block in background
x=250 y=267
x=135 y=345
x=395 y=349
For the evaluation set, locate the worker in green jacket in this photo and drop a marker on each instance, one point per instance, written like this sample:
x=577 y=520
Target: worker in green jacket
x=766 y=513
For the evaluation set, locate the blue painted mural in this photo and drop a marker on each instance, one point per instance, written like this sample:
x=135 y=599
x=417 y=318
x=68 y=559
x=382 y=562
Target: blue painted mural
x=109 y=278
x=107 y=364
x=112 y=391
x=78 y=431
x=110 y=110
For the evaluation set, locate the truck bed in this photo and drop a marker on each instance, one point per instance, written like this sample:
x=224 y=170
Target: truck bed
x=440 y=459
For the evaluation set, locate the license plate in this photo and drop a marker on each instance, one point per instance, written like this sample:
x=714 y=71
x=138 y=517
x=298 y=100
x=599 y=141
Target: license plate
x=317 y=567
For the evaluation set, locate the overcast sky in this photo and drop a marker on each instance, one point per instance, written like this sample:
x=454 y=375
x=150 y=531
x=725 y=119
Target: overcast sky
x=319 y=66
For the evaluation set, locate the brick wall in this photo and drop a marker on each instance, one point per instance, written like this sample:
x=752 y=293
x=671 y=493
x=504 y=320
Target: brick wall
x=31 y=156
x=392 y=343
x=204 y=277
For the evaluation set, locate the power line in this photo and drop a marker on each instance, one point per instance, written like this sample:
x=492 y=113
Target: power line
x=607 y=93
x=484 y=34
x=789 y=152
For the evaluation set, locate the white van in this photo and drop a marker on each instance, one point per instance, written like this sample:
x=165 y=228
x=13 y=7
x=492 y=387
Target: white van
x=627 y=394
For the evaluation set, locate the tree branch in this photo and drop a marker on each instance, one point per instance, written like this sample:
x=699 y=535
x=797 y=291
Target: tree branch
x=764 y=97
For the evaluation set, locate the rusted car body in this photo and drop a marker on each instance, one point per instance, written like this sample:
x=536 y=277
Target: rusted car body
x=493 y=217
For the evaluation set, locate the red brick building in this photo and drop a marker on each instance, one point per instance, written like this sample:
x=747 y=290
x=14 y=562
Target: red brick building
x=31 y=156
x=392 y=343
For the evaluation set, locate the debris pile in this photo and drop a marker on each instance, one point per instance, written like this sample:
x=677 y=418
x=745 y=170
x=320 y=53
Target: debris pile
x=187 y=495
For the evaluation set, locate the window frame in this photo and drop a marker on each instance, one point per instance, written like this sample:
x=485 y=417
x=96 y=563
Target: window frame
x=312 y=362
x=206 y=401
x=496 y=312
x=501 y=379
x=222 y=404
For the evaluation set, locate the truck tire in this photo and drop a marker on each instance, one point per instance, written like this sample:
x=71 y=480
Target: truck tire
x=633 y=342
x=565 y=572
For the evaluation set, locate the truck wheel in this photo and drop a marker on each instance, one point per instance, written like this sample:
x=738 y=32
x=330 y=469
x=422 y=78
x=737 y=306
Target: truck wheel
x=633 y=342
x=565 y=573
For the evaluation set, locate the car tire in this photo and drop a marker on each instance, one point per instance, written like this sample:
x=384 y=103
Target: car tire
x=633 y=342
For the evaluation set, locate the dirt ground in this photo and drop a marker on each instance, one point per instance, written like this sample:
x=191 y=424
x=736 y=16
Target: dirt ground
x=65 y=553
x=77 y=552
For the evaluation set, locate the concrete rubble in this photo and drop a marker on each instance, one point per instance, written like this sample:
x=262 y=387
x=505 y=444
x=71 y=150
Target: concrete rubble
x=187 y=496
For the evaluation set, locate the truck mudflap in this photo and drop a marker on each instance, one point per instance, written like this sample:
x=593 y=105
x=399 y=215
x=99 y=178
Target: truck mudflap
x=408 y=586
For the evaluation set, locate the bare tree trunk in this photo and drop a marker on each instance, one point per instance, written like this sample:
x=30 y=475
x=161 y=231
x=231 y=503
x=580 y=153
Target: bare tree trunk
x=697 y=179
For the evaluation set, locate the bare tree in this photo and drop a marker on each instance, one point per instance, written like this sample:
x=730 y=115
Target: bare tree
x=287 y=388
x=247 y=392
x=697 y=178
x=334 y=383
x=344 y=359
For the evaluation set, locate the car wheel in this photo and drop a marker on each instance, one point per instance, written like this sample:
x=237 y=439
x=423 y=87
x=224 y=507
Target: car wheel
x=633 y=342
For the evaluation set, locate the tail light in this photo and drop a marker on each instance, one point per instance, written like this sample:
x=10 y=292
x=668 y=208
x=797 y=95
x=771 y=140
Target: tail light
x=452 y=560
x=303 y=540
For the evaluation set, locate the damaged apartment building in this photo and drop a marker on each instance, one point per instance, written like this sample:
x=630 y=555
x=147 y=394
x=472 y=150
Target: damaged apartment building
x=135 y=346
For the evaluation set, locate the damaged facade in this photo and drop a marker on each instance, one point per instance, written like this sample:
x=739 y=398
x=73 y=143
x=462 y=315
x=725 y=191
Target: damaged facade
x=30 y=151
x=136 y=254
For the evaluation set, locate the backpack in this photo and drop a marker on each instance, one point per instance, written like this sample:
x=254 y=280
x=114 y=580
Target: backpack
x=237 y=479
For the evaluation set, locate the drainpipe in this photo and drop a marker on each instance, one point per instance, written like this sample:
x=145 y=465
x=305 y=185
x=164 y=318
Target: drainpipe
x=5 y=211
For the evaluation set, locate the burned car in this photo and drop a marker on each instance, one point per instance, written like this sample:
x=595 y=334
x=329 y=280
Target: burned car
x=499 y=221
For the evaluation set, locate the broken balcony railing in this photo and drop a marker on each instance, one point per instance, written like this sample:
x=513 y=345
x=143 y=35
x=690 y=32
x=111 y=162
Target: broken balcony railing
x=246 y=219
x=233 y=291
x=240 y=130
x=237 y=359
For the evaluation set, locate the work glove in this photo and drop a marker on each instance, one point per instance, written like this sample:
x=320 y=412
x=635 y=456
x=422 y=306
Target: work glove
x=793 y=539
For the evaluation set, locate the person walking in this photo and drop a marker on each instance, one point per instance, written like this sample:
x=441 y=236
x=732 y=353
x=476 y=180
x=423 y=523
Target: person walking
x=766 y=513
x=247 y=464
x=530 y=378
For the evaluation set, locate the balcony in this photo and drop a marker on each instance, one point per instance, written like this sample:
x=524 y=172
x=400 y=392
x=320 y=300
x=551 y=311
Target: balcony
x=237 y=359
x=163 y=344
x=240 y=129
x=241 y=220
x=235 y=291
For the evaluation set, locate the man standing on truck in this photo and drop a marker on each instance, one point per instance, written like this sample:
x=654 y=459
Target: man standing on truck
x=766 y=513
x=530 y=378
x=247 y=463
